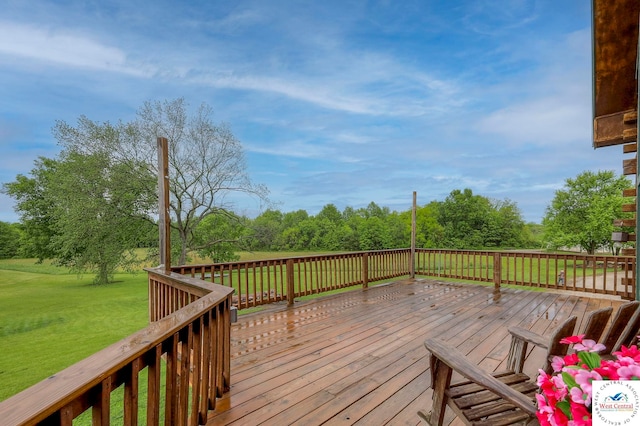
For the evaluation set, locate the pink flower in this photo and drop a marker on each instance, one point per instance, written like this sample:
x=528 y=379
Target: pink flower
x=631 y=352
x=608 y=371
x=560 y=388
x=580 y=397
x=571 y=359
x=545 y=412
x=543 y=378
x=557 y=363
x=629 y=372
x=558 y=418
x=589 y=346
x=572 y=339
x=565 y=396
x=580 y=414
x=624 y=361
x=584 y=379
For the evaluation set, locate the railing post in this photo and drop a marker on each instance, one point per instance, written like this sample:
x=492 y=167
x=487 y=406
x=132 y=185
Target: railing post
x=365 y=270
x=412 y=261
x=497 y=270
x=290 y=287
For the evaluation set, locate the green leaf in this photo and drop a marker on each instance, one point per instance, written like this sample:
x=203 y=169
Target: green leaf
x=591 y=359
x=569 y=380
x=565 y=407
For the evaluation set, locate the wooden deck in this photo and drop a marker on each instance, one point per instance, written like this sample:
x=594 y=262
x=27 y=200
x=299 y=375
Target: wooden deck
x=358 y=358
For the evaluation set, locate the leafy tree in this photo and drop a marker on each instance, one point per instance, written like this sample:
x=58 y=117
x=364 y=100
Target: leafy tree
x=373 y=234
x=504 y=226
x=10 y=236
x=206 y=161
x=464 y=217
x=350 y=237
x=35 y=207
x=85 y=211
x=300 y=236
x=582 y=213
x=331 y=213
x=266 y=230
x=374 y=210
x=226 y=232
x=429 y=232
x=534 y=234
x=292 y=219
x=398 y=231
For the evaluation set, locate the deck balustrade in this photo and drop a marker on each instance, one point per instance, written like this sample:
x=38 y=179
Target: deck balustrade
x=173 y=371
x=600 y=274
x=267 y=281
x=176 y=367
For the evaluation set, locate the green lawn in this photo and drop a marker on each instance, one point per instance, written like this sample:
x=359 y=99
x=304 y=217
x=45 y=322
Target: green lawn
x=50 y=319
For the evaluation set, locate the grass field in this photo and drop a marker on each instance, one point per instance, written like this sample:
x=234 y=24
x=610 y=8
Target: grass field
x=50 y=319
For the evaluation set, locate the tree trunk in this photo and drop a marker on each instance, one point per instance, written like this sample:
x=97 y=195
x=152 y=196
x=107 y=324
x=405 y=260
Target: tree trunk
x=103 y=274
x=183 y=249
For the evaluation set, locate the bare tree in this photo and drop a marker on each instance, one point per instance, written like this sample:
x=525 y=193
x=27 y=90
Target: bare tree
x=206 y=161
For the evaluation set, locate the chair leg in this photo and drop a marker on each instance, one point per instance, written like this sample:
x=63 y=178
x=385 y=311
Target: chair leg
x=441 y=380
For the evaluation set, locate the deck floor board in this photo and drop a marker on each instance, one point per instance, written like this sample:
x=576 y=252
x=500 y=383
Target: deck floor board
x=358 y=357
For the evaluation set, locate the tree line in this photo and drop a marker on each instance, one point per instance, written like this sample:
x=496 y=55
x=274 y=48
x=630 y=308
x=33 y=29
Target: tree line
x=90 y=207
x=463 y=221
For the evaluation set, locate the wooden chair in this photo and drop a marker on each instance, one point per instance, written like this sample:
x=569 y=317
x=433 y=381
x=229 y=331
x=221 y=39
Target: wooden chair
x=596 y=324
x=629 y=322
x=626 y=319
x=496 y=399
x=593 y=329
x=508 y=397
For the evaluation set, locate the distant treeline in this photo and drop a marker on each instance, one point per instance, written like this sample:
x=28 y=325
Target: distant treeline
x=462 y=221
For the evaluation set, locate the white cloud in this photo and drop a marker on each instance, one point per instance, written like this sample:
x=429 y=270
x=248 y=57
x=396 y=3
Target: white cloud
x=63 y=48
x=551 y=103
x=547 y=121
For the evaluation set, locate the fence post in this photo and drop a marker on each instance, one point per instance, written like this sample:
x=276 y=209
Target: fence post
x=365 y=270
x=497 y=270
x=290 y=287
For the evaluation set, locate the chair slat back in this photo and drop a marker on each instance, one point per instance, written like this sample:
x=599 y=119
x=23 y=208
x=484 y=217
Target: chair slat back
x=628 y=335
x=596 y=323
x=620 y=321
x=556 y=348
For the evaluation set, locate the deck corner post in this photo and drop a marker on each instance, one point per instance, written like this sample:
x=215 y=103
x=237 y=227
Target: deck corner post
x=365 y=270
x=412 y=260
x=291 y=292
x=497 y=270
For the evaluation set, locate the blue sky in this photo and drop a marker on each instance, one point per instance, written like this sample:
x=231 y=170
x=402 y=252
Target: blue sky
x=342 y=102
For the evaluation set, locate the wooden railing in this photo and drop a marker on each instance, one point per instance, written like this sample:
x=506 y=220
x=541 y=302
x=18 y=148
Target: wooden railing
x=600 y=274
x=267 y=281
x=171 y=372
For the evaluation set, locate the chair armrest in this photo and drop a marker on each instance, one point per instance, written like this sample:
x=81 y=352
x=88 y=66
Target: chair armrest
x=529 y=337
x=461 y=364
